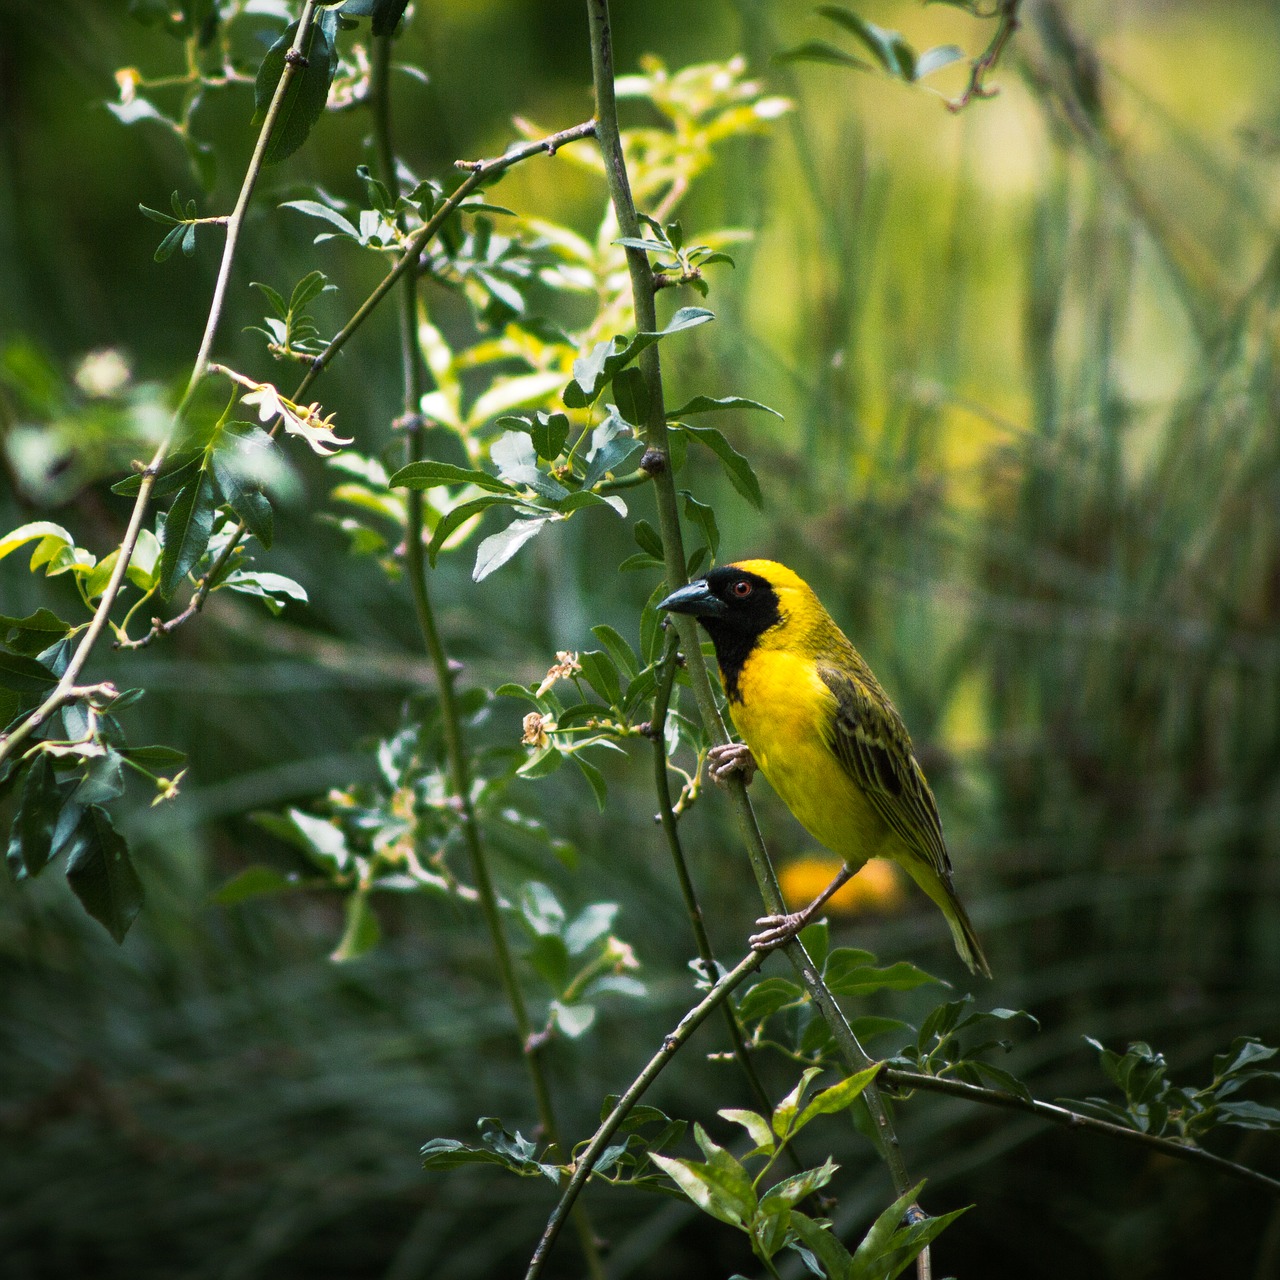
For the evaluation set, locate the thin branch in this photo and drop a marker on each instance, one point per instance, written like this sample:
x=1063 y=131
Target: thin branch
x=62 y=693
x=671 y=829
x=609 y=137
x=1076 y=1120
x=982 y=66
x=478 y=171
x=416 y=572
x=586 y=1162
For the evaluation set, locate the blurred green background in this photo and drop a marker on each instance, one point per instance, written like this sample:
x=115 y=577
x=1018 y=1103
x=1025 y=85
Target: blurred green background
x=1027 y=358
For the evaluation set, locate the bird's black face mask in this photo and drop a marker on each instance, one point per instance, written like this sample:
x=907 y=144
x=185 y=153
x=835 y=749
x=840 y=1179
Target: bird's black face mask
x=736 y=608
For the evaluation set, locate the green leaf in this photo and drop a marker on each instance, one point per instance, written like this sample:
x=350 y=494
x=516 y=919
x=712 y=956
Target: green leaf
x=709 y=404
x=165 y=249
x=155 y=757
x=725 y=1198
x=517 y=462
x=595 y=778
x=431 y=475
x=821 y=1241
x=103 y=780
x=100 y=873
x=848 y=974
x=631 y=394
x=549 y=433
x=838 y=1097
x=361 y=932
x=321 y=840
x=736 y=467
x=238 y=466
x=305 y=97
x=549 y=957
x=619 y=650
x=457 y=516
x=23 y=674
x=600 y=673
x=164 y=219
x=756 y=1125
x=1249 y=1115
x=784 y=1114
x=888 y=48
x=274 y=589
x=942 y=55
x=34 y=633
x=175 y=472
x=599 y=366
x=647 y=539
x=889 y=1248
x=186 y=531
x=822 y=51
x=573 y=1019
x=31 y=838
x=705 y=518
x=541 y=908
x=254 y=882
x=142 y=564
x=39 y=529
x=498 y=548
x=591 y=924
x=542 y=762
x=799 y=1185
x=314 y=209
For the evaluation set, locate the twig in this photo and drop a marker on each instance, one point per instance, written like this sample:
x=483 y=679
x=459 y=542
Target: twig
x=977 y=87
x=585 y=1163
x=671 y=829
x=478 y=172
x=62 y=693
x=1076 y=1120
x=609 y=137
x=674 y=560
x=416 y=571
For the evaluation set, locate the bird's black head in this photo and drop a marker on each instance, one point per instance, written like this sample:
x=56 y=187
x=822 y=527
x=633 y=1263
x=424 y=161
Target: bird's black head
x=736 y=606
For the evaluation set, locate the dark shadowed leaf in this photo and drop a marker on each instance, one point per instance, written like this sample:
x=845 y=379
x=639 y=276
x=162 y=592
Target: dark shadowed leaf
x=31 y=839
x=101 y=874
x=309 y=87
x=186 y=530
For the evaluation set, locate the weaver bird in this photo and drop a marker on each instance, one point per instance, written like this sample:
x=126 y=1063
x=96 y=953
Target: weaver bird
x=823 y=731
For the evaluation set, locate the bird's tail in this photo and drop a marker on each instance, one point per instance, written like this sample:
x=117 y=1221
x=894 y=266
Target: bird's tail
x=962 y=930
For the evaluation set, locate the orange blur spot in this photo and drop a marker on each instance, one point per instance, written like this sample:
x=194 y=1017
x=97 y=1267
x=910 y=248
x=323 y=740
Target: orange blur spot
x=876 y=888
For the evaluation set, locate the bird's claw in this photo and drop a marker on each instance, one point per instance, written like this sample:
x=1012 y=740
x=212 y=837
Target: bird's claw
x=732 y=757
x=777 y=929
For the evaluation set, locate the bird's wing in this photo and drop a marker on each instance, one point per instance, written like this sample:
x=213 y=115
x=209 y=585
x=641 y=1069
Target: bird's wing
x=871 y=742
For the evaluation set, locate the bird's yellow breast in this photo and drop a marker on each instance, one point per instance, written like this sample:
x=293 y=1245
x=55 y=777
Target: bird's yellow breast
x=785 y=714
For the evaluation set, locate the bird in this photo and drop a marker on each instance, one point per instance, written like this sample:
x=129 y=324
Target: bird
x=815 y=721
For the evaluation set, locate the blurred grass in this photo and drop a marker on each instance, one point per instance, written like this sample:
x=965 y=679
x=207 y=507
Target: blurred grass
x=1027 y=357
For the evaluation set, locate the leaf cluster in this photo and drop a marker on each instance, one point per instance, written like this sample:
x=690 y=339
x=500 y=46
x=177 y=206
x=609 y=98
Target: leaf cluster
x=1154 y=1104
x=723 y=1186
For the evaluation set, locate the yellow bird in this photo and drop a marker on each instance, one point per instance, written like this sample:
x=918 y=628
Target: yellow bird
x=821 y=729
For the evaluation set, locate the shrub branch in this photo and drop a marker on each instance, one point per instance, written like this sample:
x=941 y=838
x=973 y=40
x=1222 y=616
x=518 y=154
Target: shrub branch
x=64 y=691
x=642 y=287
x=445 y=670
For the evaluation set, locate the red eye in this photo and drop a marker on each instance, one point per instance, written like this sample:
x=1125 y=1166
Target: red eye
x=742 y=588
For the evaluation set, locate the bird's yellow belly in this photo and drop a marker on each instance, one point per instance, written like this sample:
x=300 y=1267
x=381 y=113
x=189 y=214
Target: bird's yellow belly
x=781 y=713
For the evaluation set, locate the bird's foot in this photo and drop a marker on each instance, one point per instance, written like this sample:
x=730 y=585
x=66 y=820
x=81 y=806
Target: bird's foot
x=776 y=930
x=725 y=760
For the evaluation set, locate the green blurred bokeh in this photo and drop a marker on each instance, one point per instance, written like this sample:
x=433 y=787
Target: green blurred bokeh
x=1027 y=359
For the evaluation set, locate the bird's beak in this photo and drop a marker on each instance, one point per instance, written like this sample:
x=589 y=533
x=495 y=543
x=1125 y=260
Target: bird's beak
x=695 y=598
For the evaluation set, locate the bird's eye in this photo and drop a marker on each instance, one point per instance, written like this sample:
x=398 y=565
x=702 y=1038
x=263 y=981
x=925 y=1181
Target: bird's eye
x=742 y=588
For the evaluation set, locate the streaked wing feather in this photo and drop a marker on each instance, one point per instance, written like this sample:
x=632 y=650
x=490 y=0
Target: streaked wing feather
x=874 y=747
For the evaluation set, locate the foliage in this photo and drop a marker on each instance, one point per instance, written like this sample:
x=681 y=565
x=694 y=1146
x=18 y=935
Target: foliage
x=1113 y=632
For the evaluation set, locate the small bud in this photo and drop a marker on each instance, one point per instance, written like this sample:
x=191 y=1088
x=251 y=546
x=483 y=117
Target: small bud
x=654 y=462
